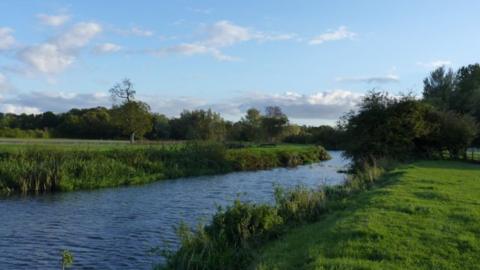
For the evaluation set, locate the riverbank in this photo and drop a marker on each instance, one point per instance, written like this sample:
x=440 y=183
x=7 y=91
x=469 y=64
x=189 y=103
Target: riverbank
x=423 y=216
x=52 y=168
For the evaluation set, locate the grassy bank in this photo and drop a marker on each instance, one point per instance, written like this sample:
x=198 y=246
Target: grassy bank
x=65 y=167
x=424 y=216
x=232 y=239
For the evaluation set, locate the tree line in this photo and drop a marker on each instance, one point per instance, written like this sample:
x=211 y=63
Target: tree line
x=444 y=122
x=133 y=119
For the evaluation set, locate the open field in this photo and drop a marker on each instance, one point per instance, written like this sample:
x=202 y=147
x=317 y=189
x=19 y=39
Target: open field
x=423 y=216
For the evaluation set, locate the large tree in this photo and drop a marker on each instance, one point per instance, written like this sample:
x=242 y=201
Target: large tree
x=439 y=87
x=274 y=122
x=133 y=117
x=199 y=125
x=467 y=92
x=251 y=125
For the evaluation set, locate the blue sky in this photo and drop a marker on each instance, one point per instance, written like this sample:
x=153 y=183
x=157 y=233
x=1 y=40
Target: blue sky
x=315 y=59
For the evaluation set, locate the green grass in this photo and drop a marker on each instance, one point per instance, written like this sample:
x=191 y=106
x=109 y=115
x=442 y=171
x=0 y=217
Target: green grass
x=423 y=216
x=61 y=166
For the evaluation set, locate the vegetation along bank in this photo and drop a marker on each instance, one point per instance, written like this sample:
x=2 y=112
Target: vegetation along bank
x=422 y=215
x=50 y=168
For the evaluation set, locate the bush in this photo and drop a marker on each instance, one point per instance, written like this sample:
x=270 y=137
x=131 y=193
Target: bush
x=228 y=242
x=300 y=204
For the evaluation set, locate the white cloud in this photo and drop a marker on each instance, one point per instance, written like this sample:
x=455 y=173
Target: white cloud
x=341 y=33
x=204 y=11
x=78 y=36
x=220 y=35
x=193 y=49
x=58 y=101
x=59 y=53
x=135 y=31
x=6 y=38
x=275 y=37
x=435 y=64
x=53 y=20
x=225 y=33
x=327 y=105
x=107 y=48
x=11 y=108
x=390 y=78
x=322 y=106
x=46 y=58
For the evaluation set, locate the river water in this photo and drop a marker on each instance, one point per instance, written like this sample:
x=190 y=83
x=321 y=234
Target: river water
x=116 y=228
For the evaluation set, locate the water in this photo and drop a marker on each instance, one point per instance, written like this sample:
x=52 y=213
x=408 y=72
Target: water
x=116 y=228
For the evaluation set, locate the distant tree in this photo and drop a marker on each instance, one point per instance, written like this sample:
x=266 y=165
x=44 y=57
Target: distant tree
x=160 y=127
x=274 y=123
x=251 y=125
x=199 y=125
x=123 y=91
x=133 y=118
x=439 y=87
x=49 y=120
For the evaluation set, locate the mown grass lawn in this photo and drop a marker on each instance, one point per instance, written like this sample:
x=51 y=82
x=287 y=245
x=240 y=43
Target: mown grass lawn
x=422 y=216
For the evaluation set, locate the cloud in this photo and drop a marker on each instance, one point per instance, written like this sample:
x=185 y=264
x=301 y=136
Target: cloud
x=107 y=48
x=327 y=105
x=204 y=11
x=339 y=34
x=78 y=36
x=135 y=31
x=59 y=53
x=220 y=35
x=46 y=58
x=53 y=20
x=391 y=78
x=11 y=108
x=193 y=49
x=58 y=102
x=224 y=33
x=173 y=106
x=7 y=41
x=435 y=64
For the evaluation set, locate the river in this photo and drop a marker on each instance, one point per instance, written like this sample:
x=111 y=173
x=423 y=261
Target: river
x=115 y=228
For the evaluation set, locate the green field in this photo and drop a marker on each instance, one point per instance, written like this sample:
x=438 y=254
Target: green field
x=422 y=216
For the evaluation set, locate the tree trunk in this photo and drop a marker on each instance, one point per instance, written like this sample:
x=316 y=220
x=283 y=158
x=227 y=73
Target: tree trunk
x=132 y=137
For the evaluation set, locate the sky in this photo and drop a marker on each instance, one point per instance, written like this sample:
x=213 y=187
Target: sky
x=314 y=59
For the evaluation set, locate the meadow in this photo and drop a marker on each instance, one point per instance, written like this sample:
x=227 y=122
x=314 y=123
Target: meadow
x=422 y=216
x=65 y=165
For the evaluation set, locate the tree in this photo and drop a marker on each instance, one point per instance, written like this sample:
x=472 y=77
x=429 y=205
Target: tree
x=450 y=131
x=123 y=91
x=133 y=118
x=467 y=92
x=160 y=127
x=251 y=125
x=384 y=127
x=438 y=88
x=274 y=122
x=199 y=125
